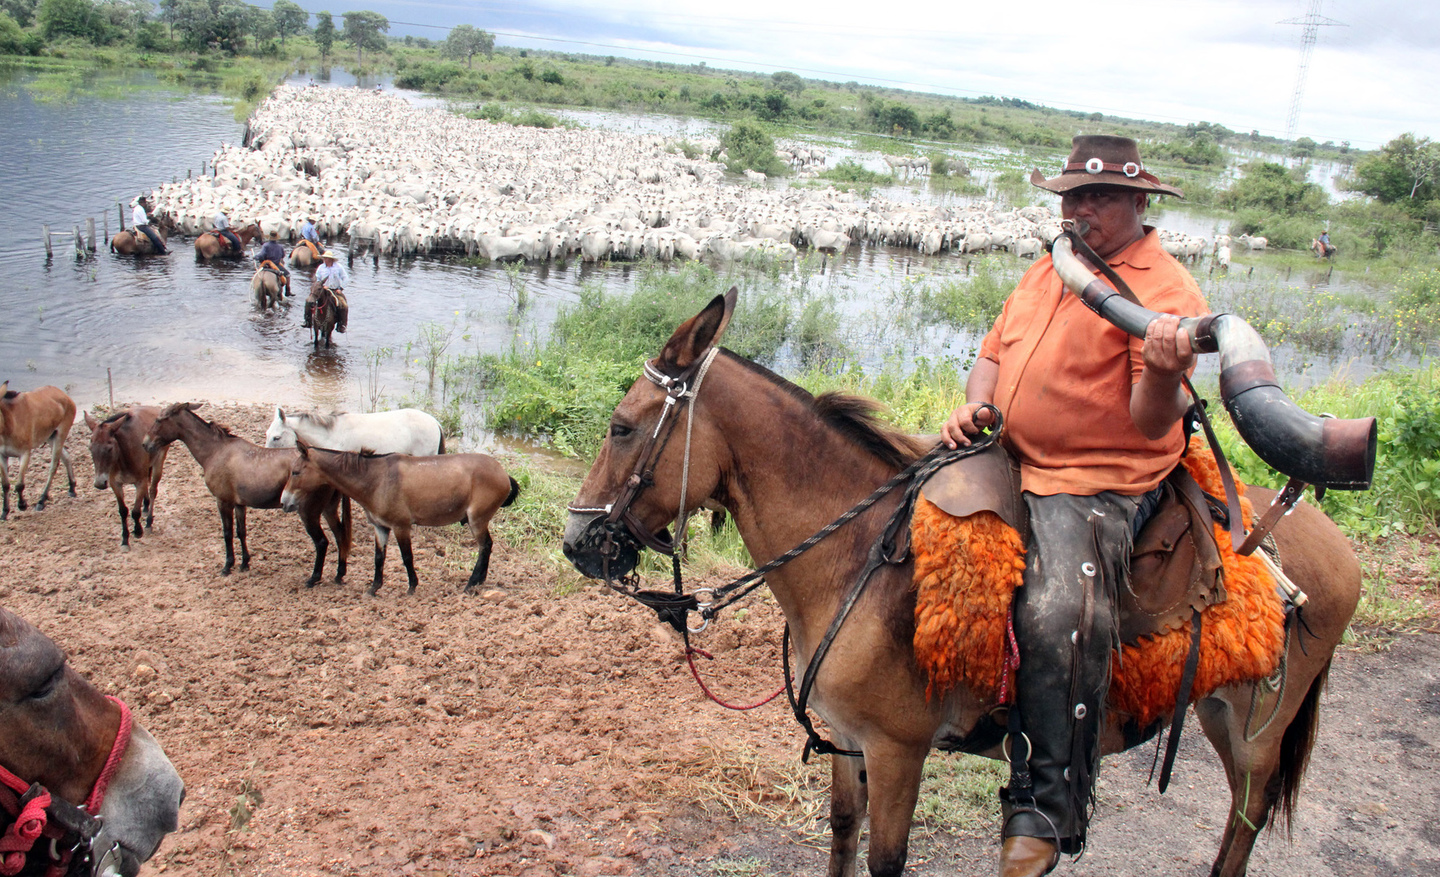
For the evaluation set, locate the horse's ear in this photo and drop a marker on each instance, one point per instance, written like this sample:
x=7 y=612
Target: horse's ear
x=90 y=421
x=698 y=334
x=303 y=448
x=279 y=414
x=191 y=406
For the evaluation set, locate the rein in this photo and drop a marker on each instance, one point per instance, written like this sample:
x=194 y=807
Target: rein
x=38 y=813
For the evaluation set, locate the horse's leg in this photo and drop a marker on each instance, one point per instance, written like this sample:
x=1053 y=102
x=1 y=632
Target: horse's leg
x=382 y=536
x=848 y=796
x=57 y=453
x=402 y=536
x=341 y=531
x=4 y=487
x=311 y=518
x=240 y=531
x=893 y=774
x=227 y=526
x=20 y=480
x=119 y=490
x=482 y=562
x=69 y=466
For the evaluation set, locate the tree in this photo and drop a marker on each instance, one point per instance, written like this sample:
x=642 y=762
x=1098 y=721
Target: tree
x=289 y=19
x=787 y=82
x=69 y=18
x=465 y=40
x=363 y=30
x=23 y=11
x=1404 y=170
x=324 y=34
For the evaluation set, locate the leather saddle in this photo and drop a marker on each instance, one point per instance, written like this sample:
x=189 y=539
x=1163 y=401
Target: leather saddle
x=1175 y=565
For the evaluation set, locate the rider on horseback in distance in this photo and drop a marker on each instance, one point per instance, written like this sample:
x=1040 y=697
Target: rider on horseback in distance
x=141 y=221
x=330 y=275
x=227 y=237
x=1094 y=419
x=272 y=256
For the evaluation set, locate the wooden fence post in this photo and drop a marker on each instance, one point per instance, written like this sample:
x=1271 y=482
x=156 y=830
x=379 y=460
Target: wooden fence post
x=49 y=253
x=121 y=210
x=79 y=243
x=90 y=232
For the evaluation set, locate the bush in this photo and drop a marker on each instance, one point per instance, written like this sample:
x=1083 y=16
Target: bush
x=851 y=171
x=12 y=38
x=749 y=146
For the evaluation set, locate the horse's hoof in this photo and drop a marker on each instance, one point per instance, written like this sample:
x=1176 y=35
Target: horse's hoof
x=225 y=571
x=124 y=546
x=410 y=590
x=310 y=583
x=244 y=567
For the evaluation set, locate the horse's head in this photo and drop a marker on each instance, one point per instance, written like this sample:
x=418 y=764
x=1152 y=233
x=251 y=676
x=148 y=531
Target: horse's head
x=305 y=476
x=279 y=435
x=167 y=426
x=60 y=732
x=105 y=445
x=632 y=491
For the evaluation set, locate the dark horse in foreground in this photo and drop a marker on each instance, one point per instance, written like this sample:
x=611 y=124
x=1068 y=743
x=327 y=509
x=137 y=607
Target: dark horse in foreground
x=74 y=767
x=324 y=314
x=784 y=464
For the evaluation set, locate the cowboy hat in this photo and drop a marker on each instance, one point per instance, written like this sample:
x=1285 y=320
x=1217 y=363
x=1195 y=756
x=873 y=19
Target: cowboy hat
x=1103 y=160
x=328 y=254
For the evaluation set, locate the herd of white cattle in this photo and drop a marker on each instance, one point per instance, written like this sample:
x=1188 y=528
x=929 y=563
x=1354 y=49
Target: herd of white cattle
x=406 y=179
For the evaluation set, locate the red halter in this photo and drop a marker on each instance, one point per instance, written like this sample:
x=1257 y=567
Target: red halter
x=31 y=805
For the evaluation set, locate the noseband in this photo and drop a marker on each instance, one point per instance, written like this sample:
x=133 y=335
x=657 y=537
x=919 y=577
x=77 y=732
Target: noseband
x=37 y=813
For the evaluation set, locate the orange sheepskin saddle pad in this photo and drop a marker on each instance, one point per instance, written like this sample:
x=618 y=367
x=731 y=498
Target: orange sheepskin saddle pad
x=967 y=570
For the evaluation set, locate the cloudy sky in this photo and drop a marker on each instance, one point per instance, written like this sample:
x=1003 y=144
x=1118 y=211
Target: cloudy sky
x=1373 y=74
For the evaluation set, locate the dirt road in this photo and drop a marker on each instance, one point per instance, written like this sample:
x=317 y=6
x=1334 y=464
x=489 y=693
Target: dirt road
x=543 y=731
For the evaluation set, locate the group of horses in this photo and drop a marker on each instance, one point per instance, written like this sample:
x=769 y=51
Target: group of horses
x=266 y=286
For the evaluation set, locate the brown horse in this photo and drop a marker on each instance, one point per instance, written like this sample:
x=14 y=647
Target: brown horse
x=305 y=255
x=120 y=460
x=399 y=491
x=27 y=421
x=324 y=313
x=784 y=463
x=133 y=243
x=242 y=475
x=267 y=287
x=209 y=245
x=86 y=759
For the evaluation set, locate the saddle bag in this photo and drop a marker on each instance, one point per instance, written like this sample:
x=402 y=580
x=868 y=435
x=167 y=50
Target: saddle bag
x=1175 y=566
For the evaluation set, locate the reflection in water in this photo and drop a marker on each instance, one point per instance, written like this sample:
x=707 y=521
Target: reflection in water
x=326 y=378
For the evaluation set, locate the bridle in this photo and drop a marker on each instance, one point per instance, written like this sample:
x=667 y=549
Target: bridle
x=621 y=532
x=38 y=813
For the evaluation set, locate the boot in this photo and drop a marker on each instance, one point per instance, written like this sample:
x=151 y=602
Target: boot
x=306 y=324
x=1022 y=856
x=342 y=319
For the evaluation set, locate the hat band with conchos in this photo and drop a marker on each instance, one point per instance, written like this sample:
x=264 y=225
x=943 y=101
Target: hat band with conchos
x=1095 y=165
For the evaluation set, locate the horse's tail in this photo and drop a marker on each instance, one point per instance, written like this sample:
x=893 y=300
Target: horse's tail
x=514 y=492
x=1295 y=747
x=442 y=442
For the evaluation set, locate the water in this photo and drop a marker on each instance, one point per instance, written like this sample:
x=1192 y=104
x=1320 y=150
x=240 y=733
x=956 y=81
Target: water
x=167 y=329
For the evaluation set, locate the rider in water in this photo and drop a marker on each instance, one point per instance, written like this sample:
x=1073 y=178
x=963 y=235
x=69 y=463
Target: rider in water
x=222 y=229
x=331 y=276
x=308 y=233
x=272 y=256
x=142 y=226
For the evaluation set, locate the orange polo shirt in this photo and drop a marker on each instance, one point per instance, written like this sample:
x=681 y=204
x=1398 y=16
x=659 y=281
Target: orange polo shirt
x=1066 y=373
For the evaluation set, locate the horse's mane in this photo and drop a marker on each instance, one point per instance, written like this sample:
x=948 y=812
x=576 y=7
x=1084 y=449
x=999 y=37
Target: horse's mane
x=855 y=417
x=214 y=425
x=114 y=417
x=324 y=421
x=11 y=394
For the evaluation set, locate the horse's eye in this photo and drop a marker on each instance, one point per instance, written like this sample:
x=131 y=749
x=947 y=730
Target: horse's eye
x=47 y=687
x=619 y=430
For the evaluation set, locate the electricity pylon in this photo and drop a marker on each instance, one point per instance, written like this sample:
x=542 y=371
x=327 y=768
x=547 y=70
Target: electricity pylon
x=1312 y=22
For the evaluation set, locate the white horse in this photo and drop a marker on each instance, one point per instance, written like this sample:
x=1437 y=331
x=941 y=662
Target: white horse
x=407 y=431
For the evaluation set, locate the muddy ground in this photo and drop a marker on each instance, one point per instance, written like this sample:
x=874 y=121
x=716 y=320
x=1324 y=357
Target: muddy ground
x=539 y=730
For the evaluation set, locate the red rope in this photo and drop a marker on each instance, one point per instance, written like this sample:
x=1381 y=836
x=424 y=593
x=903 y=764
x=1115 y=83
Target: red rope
x=20 y=837
x=112 y=764
x=691 y=652
x=1012 y=656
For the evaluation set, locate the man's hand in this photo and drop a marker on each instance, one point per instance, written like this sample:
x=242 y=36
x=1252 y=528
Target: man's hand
x=965 y=421
x=1167 y=349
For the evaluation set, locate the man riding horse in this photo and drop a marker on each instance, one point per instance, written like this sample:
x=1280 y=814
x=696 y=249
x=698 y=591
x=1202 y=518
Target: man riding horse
x=222 y=231
x=331 y=276
x=1094 y=419
x=272 y=258
x=141 y=222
